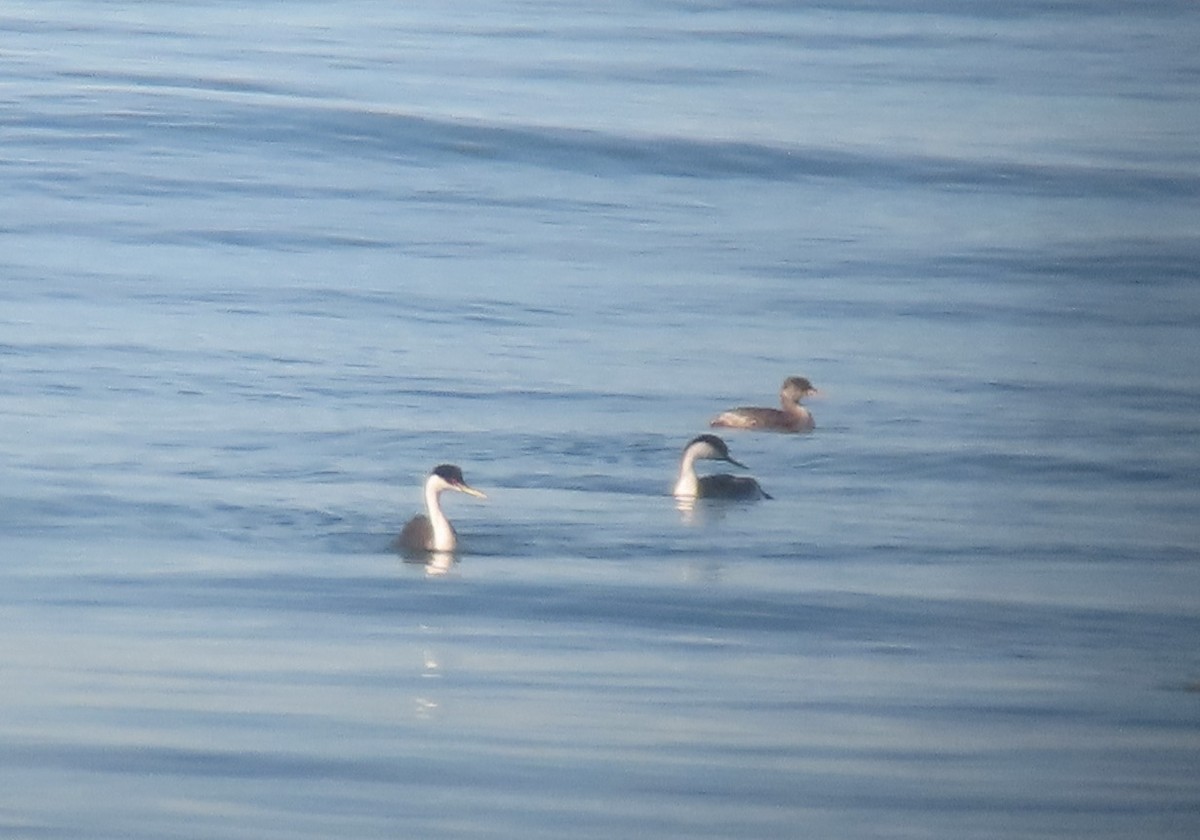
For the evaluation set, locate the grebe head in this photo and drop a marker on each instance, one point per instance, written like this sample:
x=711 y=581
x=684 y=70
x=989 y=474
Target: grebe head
x=796 y=388
x=450 y=477
x=711 y=448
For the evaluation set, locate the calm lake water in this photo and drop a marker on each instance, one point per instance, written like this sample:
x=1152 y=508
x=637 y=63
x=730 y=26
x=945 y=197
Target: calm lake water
x=262 y=268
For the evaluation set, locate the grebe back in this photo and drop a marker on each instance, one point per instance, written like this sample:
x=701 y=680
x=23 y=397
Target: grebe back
x=432 y=531
x=722 y=486
x=792 y=418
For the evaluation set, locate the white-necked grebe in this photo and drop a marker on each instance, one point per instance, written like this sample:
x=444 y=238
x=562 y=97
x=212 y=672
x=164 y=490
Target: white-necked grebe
x=793 y=418
x=432 y=531
x=691 y=486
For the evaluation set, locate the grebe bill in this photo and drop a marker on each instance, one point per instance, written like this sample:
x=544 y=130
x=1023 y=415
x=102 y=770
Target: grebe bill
x=432 y=531
x=722 y=486
x=792 y=418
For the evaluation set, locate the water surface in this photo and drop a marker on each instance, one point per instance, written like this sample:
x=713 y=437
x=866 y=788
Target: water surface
x=263 y=268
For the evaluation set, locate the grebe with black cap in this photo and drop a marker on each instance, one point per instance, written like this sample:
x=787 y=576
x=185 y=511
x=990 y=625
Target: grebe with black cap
x=432 y=531
x=722 y=486
x=793 y=418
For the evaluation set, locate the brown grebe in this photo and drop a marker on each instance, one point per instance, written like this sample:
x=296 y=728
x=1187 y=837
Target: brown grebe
x=691 y=486
x=432 y=531
x=793 y=418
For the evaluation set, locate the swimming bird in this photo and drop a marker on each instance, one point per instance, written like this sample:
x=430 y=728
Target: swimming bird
x=793 y=418
x=432 y=531
x=691 y=486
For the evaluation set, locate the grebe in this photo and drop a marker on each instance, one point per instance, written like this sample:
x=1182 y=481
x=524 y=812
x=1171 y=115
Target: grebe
x=691 y=486
x=432 y=531
x=793 y=418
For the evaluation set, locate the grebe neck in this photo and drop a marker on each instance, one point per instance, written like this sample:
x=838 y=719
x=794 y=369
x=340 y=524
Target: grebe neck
x=687 y=484
x=443 y=533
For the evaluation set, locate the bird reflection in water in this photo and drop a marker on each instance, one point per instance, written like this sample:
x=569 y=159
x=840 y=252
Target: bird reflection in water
x=425 y=705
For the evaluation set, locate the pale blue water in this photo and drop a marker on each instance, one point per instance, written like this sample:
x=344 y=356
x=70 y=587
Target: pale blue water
x=261 y=269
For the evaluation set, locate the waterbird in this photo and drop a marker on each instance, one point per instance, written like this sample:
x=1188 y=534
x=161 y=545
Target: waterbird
x=793 y=418
x=432 y=531
x=722 y=486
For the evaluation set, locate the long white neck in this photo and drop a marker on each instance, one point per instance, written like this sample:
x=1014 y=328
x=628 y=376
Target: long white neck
x=443 y=533
x=687 y=484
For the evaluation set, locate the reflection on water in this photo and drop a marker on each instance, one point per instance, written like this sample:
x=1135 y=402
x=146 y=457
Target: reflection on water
x=426 y=704
x=704 y=511
x=686 y=505
x=435 y=563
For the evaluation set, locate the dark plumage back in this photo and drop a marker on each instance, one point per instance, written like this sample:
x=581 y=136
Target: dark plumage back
x=416 y=534
x=722 y=486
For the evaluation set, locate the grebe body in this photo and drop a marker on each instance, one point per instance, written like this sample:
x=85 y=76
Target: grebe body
x=792 y=418
x=432 y=531
x=689 y=485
